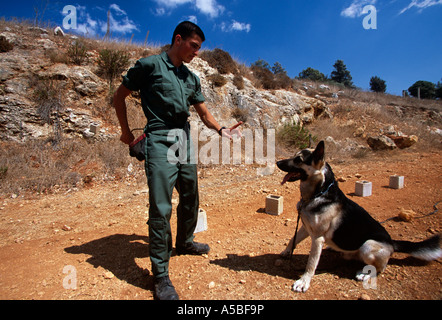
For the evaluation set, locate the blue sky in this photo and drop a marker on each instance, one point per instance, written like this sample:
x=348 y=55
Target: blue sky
x=405 y=47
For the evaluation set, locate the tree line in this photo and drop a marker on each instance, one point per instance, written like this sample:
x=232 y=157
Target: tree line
x=340 y=74
x=275 y=77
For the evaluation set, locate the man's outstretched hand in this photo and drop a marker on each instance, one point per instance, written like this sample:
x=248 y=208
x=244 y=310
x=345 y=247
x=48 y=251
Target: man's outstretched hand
x=228 y=133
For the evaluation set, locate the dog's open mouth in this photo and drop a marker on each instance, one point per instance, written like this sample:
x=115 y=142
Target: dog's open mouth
x=290 y=177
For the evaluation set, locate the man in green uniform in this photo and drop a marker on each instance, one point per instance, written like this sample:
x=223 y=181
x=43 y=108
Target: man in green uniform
x=167 y=90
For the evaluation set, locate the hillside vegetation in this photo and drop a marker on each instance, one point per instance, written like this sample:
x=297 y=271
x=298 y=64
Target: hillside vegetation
x=58 y=128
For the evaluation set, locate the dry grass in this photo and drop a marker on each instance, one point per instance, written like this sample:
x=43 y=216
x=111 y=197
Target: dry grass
x=38 y=166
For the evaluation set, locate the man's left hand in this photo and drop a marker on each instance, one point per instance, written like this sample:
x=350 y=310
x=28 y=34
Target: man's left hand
x=228 y=133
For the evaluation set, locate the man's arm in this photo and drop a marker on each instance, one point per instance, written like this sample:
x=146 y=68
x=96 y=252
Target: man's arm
x=206 y=116
x=119 y=103
x=211 y=123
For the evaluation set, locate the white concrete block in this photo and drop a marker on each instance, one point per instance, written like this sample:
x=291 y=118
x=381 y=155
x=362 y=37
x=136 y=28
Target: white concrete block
x=363 y=188
x=274 y=204
x=396 y=182
x=201 y=224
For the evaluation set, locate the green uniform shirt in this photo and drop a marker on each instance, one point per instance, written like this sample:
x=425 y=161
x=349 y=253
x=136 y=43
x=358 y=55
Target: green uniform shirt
x=166 y=91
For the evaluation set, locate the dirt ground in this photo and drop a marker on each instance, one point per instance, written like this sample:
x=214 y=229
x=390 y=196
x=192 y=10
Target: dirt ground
x=93 y=243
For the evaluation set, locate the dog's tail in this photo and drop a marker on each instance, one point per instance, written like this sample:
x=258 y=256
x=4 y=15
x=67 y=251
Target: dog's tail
x=428 y=250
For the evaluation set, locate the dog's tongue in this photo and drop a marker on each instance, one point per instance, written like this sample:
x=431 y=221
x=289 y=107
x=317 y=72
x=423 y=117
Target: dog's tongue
x=287 y=177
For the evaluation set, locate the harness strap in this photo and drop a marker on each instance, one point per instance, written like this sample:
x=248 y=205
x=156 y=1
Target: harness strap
x=296 y=234
x=299 y=216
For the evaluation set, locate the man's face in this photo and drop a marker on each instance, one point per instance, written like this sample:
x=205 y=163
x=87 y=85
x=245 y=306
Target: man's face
x=188 y=49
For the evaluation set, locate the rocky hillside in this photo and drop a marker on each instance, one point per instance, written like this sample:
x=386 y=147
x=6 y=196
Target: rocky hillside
x=81 y=93
x=45 y=97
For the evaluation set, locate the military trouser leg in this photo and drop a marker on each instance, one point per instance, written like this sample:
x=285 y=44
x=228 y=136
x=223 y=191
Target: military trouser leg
x=163 y=176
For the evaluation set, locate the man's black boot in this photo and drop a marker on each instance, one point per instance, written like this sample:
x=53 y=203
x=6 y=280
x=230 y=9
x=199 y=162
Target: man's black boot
x=164 y=290
x=193 y=248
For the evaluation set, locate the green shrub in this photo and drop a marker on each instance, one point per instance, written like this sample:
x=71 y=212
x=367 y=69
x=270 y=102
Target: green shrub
x=77 y=52
x=112 y=63
x=295 y=135
x=220 y=60
x=264 y=76
x=217 y=79
x=238 y=81
x=49 y=99
x=240 y=114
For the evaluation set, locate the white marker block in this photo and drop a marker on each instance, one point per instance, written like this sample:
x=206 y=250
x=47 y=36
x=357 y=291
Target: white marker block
x=274 y=205
x=363 y=188
x=201 y=224
x=396 y=182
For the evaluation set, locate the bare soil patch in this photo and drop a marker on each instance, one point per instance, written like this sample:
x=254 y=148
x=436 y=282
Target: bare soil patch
x=101 y=232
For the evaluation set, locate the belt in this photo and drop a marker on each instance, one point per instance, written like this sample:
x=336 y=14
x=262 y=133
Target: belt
x=185 y=127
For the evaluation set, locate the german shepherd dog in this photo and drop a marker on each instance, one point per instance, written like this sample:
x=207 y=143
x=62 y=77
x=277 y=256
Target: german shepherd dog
x=329 y=217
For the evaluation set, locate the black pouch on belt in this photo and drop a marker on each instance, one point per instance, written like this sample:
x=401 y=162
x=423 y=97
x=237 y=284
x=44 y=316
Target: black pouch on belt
x=137 y=148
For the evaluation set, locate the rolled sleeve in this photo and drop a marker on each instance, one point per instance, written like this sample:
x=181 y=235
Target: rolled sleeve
x=134 y=77
x=198 y=96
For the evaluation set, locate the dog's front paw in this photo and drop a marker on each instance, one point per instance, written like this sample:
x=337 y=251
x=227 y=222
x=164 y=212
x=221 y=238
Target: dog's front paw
x=302 y=284
x=361 y=276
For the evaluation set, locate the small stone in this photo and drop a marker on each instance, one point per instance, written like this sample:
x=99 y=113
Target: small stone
x=108 y=275
x=406 y=215
x=211 y=285
x=364 y=296
x=278 y=262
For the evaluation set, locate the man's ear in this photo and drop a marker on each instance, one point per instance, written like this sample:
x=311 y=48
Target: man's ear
x=318 y=154
x=178 y=39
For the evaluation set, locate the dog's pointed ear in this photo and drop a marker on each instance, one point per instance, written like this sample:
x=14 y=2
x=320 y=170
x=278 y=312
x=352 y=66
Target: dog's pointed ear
x=318 y=154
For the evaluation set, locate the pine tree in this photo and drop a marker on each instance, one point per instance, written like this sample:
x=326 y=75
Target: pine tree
x=427 y=89
x=377 y=84
x=341 y=74
x=312 y=74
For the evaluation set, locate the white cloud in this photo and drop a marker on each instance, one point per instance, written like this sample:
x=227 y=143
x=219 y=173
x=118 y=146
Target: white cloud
x=171 y=3
x=85 y=24
x=207 y=7
x=356 y=7
x=119 y=22
x=192 y=19
x=117 y=9
x=121 y=25
x=235 y=26
x=240 y=26
x=160 y=11
x=125 y=25
x=421 y=4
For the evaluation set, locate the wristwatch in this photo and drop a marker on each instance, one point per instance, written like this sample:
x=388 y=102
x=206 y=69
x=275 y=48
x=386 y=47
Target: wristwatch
x=221 y=130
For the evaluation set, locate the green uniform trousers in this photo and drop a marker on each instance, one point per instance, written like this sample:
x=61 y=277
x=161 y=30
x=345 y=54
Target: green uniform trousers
x=167 y=167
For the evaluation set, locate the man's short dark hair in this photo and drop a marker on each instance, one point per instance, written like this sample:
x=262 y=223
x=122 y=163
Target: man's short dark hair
x=185 y=29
